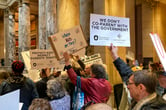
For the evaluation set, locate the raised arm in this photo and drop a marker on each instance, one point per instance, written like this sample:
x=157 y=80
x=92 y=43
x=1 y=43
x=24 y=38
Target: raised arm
x=124 y=70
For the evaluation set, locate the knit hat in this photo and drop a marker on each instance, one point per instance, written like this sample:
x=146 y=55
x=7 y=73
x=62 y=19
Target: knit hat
x=17 y=67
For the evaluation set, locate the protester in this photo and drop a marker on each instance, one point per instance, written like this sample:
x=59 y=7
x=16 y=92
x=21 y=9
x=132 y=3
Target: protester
x=41 y=85
x=3 y=75
x=141 y=85
x=161 y=86
x=96 y=88
x=58 y=97
x=87 y=70
x=17 y=81
x=54 y=73
x=161 y=75
x=99 y=106
x=40 y=104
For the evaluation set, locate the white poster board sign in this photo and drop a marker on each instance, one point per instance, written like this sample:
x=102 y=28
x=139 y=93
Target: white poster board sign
x=159 y=48
x=10 y=101
x=105 y=30
x=93 y=59
x=26 y=58
x=44 y=59
x=71 y=40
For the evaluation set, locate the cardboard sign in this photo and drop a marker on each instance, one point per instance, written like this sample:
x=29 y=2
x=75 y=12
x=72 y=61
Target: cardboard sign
x=105 y=30
x=44 y=59
x=71 y=40
x=93 y=59
x=159 y=48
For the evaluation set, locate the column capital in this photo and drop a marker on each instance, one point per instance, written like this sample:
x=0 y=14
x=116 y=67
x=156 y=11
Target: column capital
x=11 y=10
x=26 y=1
x=19 y=3
x=6 y=12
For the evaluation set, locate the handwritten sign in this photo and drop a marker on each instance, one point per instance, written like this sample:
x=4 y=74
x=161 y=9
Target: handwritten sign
x=71 y=40
x=93 y=59
x=108 y=29
x=159 y=48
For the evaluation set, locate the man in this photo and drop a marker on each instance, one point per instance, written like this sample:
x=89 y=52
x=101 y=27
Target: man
x=96 y=88
x=86 y=72
x=141 y=85
x=161 y=86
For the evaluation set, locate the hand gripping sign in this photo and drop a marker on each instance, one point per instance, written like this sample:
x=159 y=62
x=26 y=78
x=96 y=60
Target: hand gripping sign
x=159 y=48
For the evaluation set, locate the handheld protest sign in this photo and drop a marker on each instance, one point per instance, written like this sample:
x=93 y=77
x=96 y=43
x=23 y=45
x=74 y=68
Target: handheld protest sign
x=109 y=29
x=44 y=59
x=71 y=40
x=159 y=48
x=26 y=58
x=93 y=59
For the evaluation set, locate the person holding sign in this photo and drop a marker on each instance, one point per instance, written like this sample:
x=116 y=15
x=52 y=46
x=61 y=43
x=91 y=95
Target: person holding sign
x=141 y=84
x=16 y=81
x=96 y=88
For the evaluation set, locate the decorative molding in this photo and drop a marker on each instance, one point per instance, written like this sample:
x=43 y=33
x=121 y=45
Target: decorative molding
x=151 y=3
x=3 y=4
x=26 y=1
x=6 y=3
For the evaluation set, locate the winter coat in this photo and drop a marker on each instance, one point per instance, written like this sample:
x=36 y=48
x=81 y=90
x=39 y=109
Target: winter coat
x=94 y=89
x=151 y=102
x=27 y=89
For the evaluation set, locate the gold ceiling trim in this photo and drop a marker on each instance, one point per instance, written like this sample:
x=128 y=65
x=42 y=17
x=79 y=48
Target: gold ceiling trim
x=6 y=3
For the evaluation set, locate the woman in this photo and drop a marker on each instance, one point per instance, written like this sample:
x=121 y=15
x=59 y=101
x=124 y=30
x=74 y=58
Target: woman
x=58 y=97
x=40 y=104
x=18 y=81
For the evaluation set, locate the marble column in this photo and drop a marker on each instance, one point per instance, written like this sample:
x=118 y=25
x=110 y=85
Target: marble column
x=24 y=27
x=9 y=36
x=42 y=24
x=6 y=31
x=51 y=27
x=11 y=39
x=86 y=7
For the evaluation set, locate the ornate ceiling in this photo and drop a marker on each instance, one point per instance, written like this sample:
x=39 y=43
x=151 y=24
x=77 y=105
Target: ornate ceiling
x=34 y=5
x=14 y=3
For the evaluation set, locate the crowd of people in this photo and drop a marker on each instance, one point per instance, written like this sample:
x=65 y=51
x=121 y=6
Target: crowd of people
x=147 y=88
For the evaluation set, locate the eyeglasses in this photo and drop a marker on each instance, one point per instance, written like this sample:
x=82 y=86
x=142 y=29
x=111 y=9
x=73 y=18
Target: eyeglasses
x=129 y=83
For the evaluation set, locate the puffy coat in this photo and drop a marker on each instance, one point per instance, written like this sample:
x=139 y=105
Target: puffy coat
x=27 y=89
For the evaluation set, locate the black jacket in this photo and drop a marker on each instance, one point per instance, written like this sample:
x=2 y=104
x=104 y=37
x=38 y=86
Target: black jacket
x=27 y=89
x=41 y=86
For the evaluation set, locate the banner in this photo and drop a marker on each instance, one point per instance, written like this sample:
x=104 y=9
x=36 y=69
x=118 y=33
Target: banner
x=105 y=30
x=159 y=48
x=71 y=40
